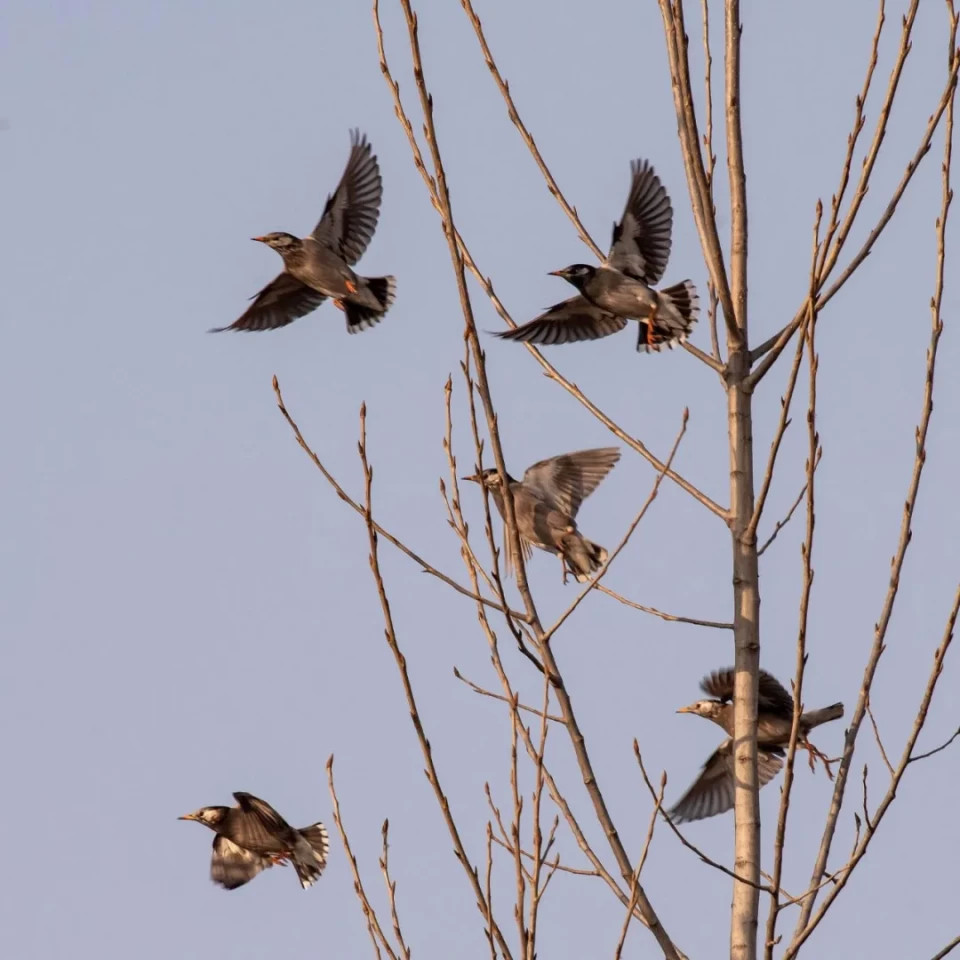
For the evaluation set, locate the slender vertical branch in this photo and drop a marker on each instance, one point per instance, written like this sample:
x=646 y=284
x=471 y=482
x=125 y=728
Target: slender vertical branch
x=813 y=456
x=805 y=921
x=390 y=635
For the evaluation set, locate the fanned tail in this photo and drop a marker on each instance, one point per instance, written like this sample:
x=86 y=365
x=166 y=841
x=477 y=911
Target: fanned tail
x=677 y=310
x=360 y=316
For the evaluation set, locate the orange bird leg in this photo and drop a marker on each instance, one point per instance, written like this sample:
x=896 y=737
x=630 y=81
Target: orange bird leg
x=815 y=754
x=338 y=304
x=651 y=320
x=351 y=286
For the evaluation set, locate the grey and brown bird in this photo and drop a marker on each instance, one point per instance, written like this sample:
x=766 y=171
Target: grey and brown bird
x=252 y=836
x=713 y=790
x=319 y=266
x=621 y=288
x=546 y=502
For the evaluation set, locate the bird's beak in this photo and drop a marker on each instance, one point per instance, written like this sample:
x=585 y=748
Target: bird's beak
x=685 y=710
x=556 y=273
x=259 y=239
x=474 y=478
x=189 y=816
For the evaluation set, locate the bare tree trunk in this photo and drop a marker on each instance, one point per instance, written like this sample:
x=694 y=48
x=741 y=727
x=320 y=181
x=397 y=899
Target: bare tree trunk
x=746 y=628
x=746 y=591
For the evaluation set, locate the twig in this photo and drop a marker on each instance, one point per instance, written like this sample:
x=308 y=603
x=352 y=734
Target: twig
x=563 y=868
x=666 y=816
x=399 y=544
x=658 y=804
x=377 y=935
x=499 y=696
x=392 y=891
x=955 y=942
x=547 y=634
x=787 y=399
x=487 y=284
x=806 y=922
x=930 y=753
x=814 y=452
x=699 y=189
x=552 y=186
x=876 y=736
x=796 y=503
x=673 y=618
x=401 y=661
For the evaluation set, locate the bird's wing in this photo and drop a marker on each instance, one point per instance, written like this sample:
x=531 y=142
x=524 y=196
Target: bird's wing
x=566 y=481
x=771 y=696
x=567 y=322
x=260 y=827
x=712 y=792
x=350 y=216
x=641 y=240
x=232 y=866
x=280 y=302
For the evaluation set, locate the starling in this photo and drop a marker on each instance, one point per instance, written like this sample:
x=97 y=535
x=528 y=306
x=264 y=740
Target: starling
x=318 y=266
x=546 y=501
x=620 y=289
x=713 y=790
x=253 y=836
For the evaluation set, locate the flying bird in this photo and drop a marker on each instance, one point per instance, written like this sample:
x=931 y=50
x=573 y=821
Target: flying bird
x=546 y=502
x=318 y=266
x=621 y=288
x=252 y=836
x=713 y=791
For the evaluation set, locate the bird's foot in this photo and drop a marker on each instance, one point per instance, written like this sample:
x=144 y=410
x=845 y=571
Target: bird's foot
x=813 y=754
x=351 y=286
x=338 y=304
x=652 y=319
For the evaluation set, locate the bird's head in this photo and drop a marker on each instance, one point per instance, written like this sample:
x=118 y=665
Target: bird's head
x=711 y=709
x=488 y=478
x=281 y=242
x=208 y=816
x=577 y=274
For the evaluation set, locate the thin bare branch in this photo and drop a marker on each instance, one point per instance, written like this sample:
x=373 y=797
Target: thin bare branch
x=876 y=736
x=673 y=618
x=930 y=753
x=779 y=340
x=955 y=942
x=401 y=661
x=787 y=399
x=399 y=544
x=814 y=452
x=547 y=634
x=498 y=696
x=699 y=189
x=657 y=806
x=563 y=868
x=377 y=936
x=782 y=523
x=807 y=922
x=552 y=186
x=392 y=891
x=709 y=861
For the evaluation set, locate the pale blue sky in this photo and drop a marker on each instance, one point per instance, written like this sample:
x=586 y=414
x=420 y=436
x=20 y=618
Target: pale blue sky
x=187 y=608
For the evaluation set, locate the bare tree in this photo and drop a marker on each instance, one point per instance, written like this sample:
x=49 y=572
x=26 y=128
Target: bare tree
x=527 y=848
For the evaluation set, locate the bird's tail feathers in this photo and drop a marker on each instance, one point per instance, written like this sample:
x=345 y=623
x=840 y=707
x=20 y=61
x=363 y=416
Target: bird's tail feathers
x=677 y=312
x=583 y=556
x=318 y=838
x=381 y=292
x=824 y=715
x=309 y=855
